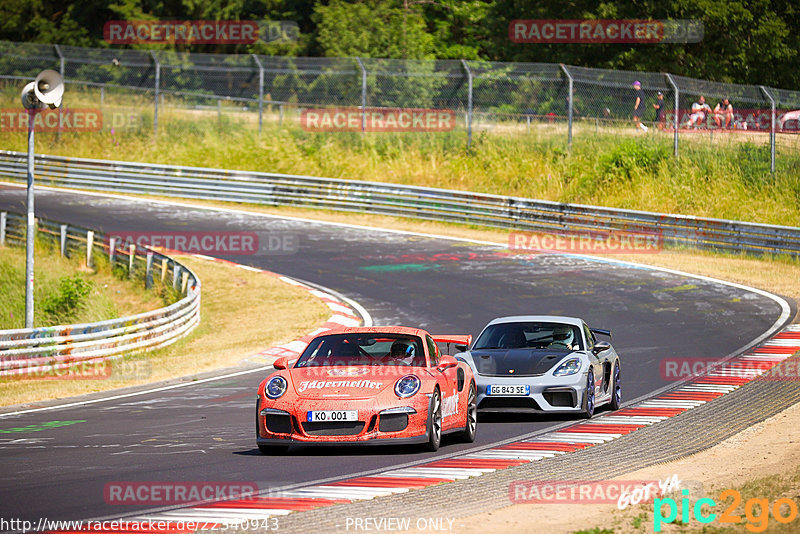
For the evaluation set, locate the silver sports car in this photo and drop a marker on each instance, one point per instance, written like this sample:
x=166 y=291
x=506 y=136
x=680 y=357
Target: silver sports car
x=544 y=363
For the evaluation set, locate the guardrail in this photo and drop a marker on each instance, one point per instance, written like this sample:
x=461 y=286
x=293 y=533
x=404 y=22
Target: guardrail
x=52 y=351
x=402 y=200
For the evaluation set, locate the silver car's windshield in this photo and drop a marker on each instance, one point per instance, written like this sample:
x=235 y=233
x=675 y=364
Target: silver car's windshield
x=530 y=335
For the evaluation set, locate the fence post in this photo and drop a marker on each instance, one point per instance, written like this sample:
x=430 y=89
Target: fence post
x=164 y=266
x=569 y=105
x=771 y=130
x=176 y=274
x=112 y=250
x=3 y=223
x=61 y=72
x=469 y=101
x=148 y=274
x=157 y=66
x=260 y=91
x=363 y=95
x=131 y=257
x=63 y=241
x=676 y=102
x=89 y=246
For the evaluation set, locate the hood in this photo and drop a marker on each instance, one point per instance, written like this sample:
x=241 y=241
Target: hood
x=343 y=382
x=516 y=362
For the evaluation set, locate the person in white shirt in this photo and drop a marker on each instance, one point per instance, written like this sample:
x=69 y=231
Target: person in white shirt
x=699 y=110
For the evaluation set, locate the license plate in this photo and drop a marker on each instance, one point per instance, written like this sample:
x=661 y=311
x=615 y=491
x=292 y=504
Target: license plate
x=335 y=415
x=513 y=389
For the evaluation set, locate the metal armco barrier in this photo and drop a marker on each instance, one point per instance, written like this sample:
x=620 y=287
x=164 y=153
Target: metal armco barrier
x=402 y=200
x=51 y=350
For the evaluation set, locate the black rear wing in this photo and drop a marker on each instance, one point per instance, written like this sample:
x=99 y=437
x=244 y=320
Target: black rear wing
x=601 y=331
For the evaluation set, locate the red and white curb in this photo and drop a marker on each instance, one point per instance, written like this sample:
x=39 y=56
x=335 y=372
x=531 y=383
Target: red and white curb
x=575 y=437
x=343 y=315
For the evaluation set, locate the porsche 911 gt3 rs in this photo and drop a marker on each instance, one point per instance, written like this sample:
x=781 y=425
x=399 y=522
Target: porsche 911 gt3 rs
x=376 y=385
x=544 y=363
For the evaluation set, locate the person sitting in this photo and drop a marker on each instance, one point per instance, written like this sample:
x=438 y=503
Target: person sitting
x=699 y=110
x=722 y=110
x=402 y=353
x=563 y=338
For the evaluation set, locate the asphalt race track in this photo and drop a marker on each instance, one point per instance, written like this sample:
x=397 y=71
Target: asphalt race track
x=58 y=466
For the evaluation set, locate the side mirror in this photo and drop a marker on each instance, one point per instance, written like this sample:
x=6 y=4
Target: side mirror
x=600 y=346
x=445 y=363
x=462 y=348
x=281 y=363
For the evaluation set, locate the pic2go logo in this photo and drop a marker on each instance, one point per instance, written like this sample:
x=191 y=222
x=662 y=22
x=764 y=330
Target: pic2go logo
x=757 y=511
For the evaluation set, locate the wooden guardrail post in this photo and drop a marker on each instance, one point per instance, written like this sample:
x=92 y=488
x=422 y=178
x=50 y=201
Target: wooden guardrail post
x=131 y=257
x=89 y=246
x=112 y=251
x=148 y=273
x=63 y=240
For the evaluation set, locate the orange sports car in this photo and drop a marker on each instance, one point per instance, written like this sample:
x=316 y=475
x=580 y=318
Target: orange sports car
x=372 y=385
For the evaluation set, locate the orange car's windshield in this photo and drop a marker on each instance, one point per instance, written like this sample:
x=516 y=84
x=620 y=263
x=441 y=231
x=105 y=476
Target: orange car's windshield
x=343 y=350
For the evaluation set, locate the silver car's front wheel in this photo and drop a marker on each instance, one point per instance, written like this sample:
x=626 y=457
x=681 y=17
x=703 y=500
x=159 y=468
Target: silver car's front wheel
x=588 y=397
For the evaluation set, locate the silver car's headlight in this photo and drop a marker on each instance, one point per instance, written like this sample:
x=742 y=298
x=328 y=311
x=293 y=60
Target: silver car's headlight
x=406 y=386
x=276 y=387
x=569 y=367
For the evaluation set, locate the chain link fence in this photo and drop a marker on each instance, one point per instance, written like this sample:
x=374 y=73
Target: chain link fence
x=492 y=97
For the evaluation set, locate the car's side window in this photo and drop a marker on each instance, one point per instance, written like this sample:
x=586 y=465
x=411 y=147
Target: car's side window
x=590 y=340
x=433 y=350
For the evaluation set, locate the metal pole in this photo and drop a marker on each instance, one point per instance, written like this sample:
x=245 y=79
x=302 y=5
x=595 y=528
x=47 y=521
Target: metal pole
x=157 y=83
x=569 y=105
x=469 y=102
x=60 y=71
x=676 y=101
x=363 y=95
x=771 y=130
x=260 y=91
x=31 y=228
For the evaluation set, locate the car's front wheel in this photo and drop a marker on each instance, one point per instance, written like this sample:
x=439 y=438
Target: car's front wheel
x=588 y=396
x=471 y=427
x=434 y=422
x=616 y=392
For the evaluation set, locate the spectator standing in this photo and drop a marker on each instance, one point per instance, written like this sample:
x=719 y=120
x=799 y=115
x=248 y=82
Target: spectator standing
x=661 y=111
x=699 y=110
x=638 y=105
x=722 y=110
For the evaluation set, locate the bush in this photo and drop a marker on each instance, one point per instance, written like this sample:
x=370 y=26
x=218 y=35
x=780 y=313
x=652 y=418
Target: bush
x=631 y=157
x=68 y=299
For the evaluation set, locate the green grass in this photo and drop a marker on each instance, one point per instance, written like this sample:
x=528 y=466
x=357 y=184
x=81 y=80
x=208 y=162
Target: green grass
x=66 y=292
x=612 y=166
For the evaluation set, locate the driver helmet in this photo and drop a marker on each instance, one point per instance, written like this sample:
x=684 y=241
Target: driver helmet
x=402 y=349
x=564 y=335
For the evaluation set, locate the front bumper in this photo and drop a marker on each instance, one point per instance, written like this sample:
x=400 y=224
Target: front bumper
x=548 y=394
x=284 y=425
